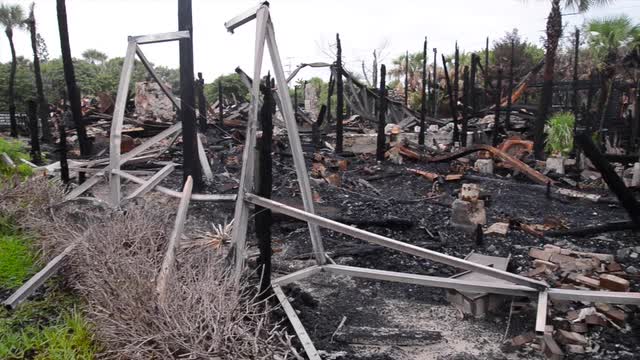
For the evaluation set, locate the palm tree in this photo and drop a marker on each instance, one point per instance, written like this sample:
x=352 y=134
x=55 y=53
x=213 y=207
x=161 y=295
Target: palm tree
x=43 y=106
x=609 y=39
x=12 y=16
x=554 y=33
x=94 y=56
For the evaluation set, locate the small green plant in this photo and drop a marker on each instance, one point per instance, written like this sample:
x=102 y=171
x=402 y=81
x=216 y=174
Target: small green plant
x=16 y=151
x=560 y=134
x=17 y=261
x=48 y=328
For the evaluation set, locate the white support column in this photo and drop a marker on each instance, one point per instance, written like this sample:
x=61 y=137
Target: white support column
x=241 y=214
x=294 y=142
x=116 y=122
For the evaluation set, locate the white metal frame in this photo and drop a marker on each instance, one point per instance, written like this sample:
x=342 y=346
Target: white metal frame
x=116 y=159
x=519 y=285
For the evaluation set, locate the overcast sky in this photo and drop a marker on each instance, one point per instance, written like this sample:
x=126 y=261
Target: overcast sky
x=305 y=29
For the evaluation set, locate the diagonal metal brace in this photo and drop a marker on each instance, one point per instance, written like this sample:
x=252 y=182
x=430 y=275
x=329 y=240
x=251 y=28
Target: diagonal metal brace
x=244 y=18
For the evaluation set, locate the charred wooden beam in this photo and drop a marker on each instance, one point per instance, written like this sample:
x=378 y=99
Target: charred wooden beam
x=496 y=124
x=187 y=113
x=456 y=90
x=73 y=92
x=423 y=98
x=615 y=183
x=475 y=61
x=202 y=104
x=382 y=111
x=32 y=114
x=435 y=83
x=452 y=104
x=406 y=79
x=594 y=230
x=62 y=146
x=486 y=68
x=465 y=104
x=340 y=99
x=507 y=119
x=264 y=185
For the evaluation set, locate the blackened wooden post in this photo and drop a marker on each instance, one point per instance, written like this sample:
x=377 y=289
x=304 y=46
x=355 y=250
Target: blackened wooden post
x=202 y=104
x=615 y=183
x=295 y=99
x=382 y=110
x=635 y=125
x=507 y=118
x=486 y=68
x=315 y=128
x=465 y=106
x=62 y=145
x=475 y=59
x=423 y=98
x=32 y=114
x=406 y=79
x=456 y=86
x=187 y=113
x=590 y=94
x=496 y=124
x=576 y=109
x=332 y=84
x=70 y=79
x=220 y=101
x=263 y=218
x=452 y=104
x=435 y=82
x=340 y=100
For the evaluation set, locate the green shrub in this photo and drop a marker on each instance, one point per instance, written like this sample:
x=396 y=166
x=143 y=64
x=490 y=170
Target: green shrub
x=560 y=134
x=16 y=151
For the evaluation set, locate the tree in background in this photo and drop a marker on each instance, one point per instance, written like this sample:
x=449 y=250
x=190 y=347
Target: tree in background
x=12 y=17
x=554 y=33
x=231 y=84
x=43 y=106
x=94 y=56
x=526 y=54
x=609 y=40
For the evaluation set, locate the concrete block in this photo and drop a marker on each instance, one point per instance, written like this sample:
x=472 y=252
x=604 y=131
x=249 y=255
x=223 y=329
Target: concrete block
x=470 y=192
x=484 y=166
x=467 y=215
x=555 y=164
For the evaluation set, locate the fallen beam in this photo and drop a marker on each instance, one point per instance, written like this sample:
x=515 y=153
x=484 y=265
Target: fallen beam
x=152 y=182
x=204 y=162
x=38 y=279
x=593 y=230
x=615 y=183
x=176 y=234
x=541 y=316
x=393 y=244
x=609 y=297
x=432 y=281
x=178 y=194
x=298 y=275
x=532 y=174
x=306 y=342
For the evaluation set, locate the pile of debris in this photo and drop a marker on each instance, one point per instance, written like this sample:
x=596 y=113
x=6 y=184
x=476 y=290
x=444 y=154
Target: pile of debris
x=574 y=323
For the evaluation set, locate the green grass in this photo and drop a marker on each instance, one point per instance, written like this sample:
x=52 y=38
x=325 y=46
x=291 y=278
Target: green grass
x=16 y=151
x=16 y=261
x=48 y=327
